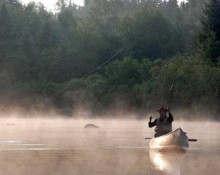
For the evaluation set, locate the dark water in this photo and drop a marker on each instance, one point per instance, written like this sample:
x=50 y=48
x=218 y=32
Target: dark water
x=64 y=147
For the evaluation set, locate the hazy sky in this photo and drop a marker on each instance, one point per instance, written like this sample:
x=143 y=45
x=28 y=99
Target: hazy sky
x=50 y=4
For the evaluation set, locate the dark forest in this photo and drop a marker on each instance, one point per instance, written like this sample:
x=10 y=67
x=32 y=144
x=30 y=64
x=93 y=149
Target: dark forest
x=111 y=55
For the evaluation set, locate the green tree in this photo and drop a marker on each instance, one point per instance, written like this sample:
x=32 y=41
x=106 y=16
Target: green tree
x=148 y=35
x=209 y=37
x=7 y=36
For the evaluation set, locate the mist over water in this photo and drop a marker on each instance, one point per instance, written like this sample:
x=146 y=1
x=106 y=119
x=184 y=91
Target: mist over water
x=40 y=146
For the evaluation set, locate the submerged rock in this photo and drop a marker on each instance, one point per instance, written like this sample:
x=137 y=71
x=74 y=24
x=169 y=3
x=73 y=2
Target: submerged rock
x=93 y=126
x=10 y=124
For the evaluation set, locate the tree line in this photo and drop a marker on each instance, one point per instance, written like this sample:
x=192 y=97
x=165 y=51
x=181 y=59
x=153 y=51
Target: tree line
x=58 y=58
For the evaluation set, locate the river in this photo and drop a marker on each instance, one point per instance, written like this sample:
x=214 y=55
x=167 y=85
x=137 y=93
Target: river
x=118 y=147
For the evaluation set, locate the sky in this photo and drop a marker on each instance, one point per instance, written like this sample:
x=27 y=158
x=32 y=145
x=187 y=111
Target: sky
x=50 y=4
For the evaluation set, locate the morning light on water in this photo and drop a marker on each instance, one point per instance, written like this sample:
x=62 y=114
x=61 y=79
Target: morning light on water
x=64 y=146
x=109 y=87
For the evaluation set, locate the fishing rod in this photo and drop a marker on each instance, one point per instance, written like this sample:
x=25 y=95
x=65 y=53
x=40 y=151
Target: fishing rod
x=171 y=90
x=89 y=73
x=170 y=96
x=104 y=63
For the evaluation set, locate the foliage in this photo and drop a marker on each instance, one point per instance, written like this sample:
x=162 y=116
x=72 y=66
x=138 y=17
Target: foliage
x=148 y=35
x=210 y=34
x=46 y=56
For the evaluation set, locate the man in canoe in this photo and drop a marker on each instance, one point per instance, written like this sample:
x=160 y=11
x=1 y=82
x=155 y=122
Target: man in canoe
x=163 y=123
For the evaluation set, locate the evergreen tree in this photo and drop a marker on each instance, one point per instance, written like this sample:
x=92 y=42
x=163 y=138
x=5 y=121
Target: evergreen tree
x=6 y=32
x=148 y=35
x=209 y=38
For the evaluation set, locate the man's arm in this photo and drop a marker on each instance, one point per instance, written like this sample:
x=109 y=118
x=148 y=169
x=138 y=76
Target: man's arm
x=152 y=124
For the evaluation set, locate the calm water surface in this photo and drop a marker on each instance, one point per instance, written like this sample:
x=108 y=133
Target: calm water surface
x=64 y=147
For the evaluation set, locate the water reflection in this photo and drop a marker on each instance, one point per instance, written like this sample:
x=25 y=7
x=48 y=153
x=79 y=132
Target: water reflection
x=168 y=162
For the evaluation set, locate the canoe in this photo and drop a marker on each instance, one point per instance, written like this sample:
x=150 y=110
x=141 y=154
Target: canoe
x=176 y=140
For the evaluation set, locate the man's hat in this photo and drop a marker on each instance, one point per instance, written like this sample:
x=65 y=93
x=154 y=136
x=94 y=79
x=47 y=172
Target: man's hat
x=161 y=109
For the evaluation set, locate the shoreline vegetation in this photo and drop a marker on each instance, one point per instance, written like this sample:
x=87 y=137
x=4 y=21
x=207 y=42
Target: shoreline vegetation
x=47 y=59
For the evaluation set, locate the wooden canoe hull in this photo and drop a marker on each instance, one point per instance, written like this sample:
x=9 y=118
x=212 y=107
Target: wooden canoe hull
x=176 y=140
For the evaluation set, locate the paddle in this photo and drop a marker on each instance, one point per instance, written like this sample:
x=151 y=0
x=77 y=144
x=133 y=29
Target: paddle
x=190 y=140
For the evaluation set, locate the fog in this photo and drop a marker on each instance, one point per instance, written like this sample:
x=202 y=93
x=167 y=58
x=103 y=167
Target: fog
x=40 y=144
